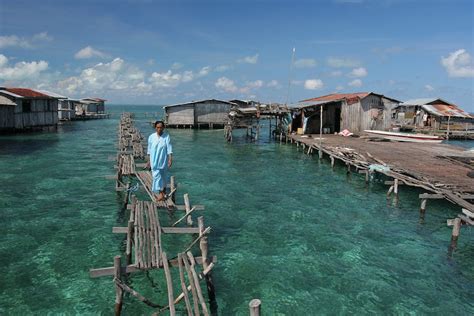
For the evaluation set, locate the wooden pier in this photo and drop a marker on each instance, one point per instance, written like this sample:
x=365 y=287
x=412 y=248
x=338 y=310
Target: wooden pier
x=441 y=170
x=144 y=247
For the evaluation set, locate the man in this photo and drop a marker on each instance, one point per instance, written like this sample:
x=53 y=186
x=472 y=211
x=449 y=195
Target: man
x=160 y=158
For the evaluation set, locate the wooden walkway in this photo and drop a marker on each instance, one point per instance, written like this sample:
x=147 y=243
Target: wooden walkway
x=144 y=247
x=439 y=169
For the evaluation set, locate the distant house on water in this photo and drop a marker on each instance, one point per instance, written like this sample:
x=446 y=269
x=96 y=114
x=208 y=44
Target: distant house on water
x=205 y=113
x=432 y=114
x=33 y=110
x=353 y=111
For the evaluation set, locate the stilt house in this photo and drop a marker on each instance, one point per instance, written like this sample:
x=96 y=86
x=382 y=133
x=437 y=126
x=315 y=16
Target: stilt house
x=353 y=111
x=432 y=114
x=33 y=110
x=205 y=113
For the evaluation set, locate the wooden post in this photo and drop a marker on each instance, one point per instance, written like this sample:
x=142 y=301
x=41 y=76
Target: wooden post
x=455 y=233
x=129 y=241
x=118 y=289
x=204 y=246
x=395 y=186
x=332 y=161
x=189 y=220
x=348 y=168
x=422 y=208
x=321 y=132
x=255 y=307
x=367 y=176
x=172 y=188
x=389 y=192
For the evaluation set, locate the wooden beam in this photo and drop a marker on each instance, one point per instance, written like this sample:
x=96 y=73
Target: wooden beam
x=95 y=273
x=393 y=182
x=441 y=196
x=165 y=230
x=181 y=207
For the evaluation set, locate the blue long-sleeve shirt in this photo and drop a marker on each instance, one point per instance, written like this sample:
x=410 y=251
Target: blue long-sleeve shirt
x=159 y=147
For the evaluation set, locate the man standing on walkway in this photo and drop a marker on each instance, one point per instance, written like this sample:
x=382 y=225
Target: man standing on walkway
x=160 y=158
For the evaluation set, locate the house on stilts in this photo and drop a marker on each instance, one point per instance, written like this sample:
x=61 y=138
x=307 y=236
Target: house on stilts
x=353 y=111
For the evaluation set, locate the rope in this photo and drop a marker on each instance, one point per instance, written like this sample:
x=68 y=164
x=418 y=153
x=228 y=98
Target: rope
x=134 y=187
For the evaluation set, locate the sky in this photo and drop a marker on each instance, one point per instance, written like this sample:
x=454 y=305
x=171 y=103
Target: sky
x=166 y=52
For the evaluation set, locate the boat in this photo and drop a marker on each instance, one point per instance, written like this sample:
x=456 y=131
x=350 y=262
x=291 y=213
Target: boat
x=406 y=137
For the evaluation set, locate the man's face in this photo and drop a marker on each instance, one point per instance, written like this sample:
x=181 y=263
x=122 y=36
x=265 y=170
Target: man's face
x=159 y=128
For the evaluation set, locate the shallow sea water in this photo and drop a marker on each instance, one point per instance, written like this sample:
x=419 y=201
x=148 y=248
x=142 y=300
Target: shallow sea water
x=286 y=228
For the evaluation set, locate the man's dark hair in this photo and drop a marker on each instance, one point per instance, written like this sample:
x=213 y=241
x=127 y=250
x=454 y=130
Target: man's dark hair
x=158 y=122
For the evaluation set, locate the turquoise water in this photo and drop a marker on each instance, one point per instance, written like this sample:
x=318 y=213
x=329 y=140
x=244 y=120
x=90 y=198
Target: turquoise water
x=285 y=227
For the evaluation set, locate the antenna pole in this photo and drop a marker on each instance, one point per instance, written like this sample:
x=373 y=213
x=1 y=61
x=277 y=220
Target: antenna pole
x=289 y=75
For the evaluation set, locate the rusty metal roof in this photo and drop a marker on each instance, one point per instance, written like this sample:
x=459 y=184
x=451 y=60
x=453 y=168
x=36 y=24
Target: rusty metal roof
x=438 y=107
x=339 y=96
x=28 y=93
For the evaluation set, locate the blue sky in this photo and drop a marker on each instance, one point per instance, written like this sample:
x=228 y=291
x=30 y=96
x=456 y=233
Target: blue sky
x=161 y=52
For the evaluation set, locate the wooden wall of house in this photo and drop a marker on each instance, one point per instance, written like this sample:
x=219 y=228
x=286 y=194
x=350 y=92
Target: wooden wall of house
x=212 y=112
x=43 y=113
x=389 y=105
x=350 y=115
x=7 y=116
x=176 y=115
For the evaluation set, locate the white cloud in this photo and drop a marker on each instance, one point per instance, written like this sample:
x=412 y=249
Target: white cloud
x=458 y=64
x=204 y=71
x=165 y=79
x=336 y=73
x=358 y=72
x=187 y=76
x=89 y=52
x=342 y=62
x=13 y=41
x=226 y=84
x=313 y=84
x=16 y=41
x=305 y=63
x=42 y=37
x=339 y=88
x=273 y=83
x=176 y=66
x=115 y=75
x=249 y=59
x=21 y=70
x=429 y=87
x=252 y=85
x=222 y=68
x=355 y=83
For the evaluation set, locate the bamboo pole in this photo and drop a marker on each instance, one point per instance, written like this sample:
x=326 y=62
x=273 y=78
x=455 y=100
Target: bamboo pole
x=196 y=282
x=183 y=284
x=118 y=289
x=169 y=284
x=129 y=241
x=173 y=188
x=188 y=209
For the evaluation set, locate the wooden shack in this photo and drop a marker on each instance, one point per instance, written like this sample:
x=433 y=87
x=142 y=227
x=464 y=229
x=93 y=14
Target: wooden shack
x=353 y=111
x=432 y=114
x=91 y=106
x=205 y=113
x=33 y=110
x=66 y=110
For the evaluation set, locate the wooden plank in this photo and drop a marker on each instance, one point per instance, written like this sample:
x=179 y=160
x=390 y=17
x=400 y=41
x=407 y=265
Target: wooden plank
x=191 y=284
x=184 y=288
x=468 y=213
x=393 y=182
x=441 y=196
x=466 y=219
x=198 y=286
x=183 y=207
x=169 y=284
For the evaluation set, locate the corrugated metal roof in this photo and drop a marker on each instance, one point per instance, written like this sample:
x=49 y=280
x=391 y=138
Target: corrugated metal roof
x=438 y=107
x=51 y=94
x=200 y=101
x=446 y=110
x=3 y=91
x=28 y=93
x=339 y=96
x=6 y=101
x=95 y=99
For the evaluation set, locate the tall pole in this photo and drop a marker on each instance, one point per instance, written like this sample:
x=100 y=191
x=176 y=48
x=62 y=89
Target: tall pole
x=289 y=76
x=321 y=132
